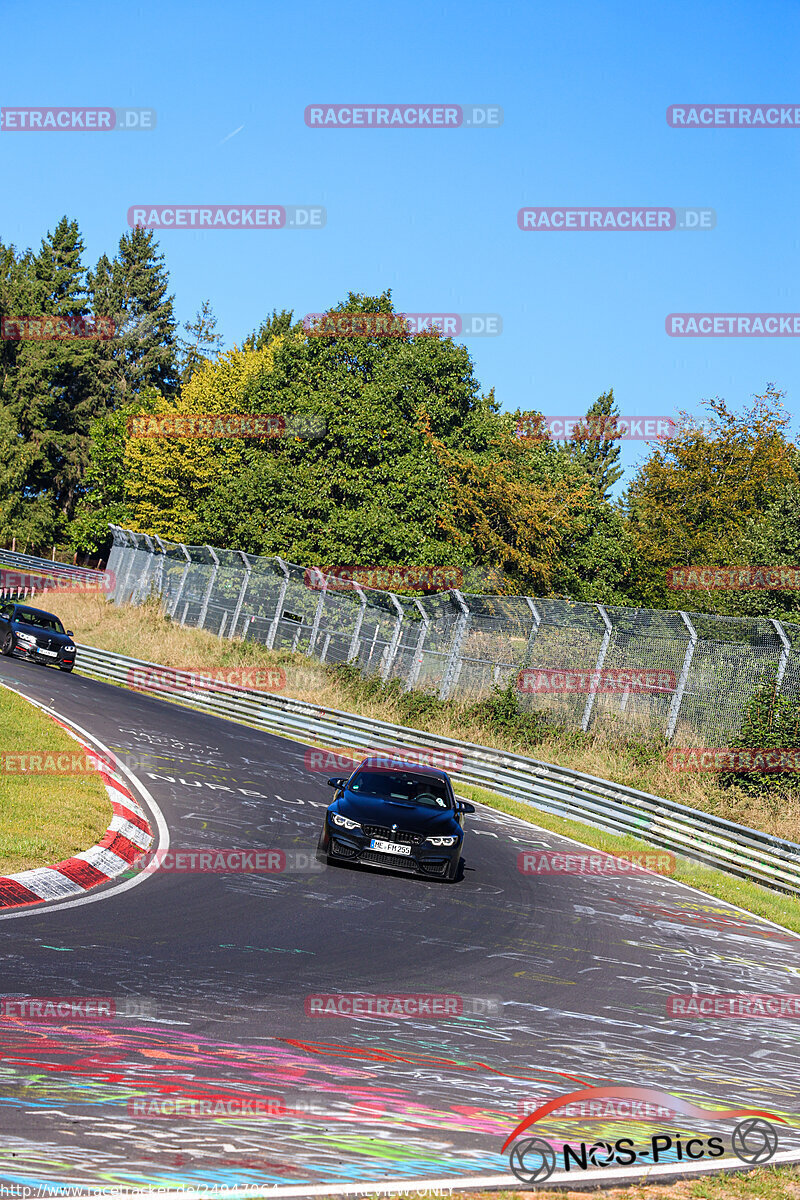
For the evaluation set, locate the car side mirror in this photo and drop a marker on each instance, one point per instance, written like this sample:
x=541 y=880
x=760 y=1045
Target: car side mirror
x=70 y=633
x=464 y=806
x=336 y=782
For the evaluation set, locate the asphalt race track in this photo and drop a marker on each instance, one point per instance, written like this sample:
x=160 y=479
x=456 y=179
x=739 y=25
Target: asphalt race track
x=222 y=964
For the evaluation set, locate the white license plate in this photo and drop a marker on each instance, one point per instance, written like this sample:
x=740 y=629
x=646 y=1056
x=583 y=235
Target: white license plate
x=389 y=847
x=49 y=653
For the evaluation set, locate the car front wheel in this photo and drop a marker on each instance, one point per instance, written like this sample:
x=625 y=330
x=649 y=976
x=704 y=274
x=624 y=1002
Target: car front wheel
x=8 y=644
x=67 y=668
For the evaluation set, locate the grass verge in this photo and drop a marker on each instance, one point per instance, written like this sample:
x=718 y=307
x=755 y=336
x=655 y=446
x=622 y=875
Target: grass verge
x=44 y=818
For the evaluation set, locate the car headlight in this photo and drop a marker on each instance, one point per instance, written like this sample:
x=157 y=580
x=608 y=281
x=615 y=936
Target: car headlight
x=443 y=841
x=345 y=822
x=26 y=637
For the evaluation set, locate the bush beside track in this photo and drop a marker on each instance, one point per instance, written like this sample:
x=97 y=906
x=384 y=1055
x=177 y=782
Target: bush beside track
x=44 y=818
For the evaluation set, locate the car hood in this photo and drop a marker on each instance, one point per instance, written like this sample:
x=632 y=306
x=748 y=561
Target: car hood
x=416 y=819
x=62 y=639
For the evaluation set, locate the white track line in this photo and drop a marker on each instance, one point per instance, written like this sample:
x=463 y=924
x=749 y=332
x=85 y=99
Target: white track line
x=406 y=1186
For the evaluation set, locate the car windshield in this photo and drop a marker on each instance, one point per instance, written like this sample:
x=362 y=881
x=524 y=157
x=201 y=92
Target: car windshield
x=402 y=787
x=39 y=620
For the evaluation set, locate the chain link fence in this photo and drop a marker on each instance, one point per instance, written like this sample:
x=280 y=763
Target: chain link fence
x=686 y=677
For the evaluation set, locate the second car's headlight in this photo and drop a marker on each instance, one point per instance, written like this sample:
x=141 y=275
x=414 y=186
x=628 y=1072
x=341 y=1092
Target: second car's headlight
x=26 y=637
x=443 y=841
x=345 y=822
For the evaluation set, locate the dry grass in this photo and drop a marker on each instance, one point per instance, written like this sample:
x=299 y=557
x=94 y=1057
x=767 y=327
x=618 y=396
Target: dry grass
x=44 y=818
x=144 y=633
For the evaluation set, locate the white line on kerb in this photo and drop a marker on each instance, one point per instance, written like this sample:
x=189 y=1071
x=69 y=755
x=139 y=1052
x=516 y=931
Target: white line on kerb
x=161 y=825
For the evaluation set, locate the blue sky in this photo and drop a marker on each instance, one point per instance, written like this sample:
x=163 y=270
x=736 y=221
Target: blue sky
x=584 y=88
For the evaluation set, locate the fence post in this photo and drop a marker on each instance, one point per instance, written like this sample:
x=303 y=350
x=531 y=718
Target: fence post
x=355 y=640
x=675 y=703
x=601 y=658
x=248 y=570
x=133 y=549
x=453 y=667
x=204 y=610
x=160 y=573
x=416 y=665
x=187 y=564
x=784 y=659
x=318 y=611
x=395 y=642
x=537 y=620
x=273 y=629
x=144 y=584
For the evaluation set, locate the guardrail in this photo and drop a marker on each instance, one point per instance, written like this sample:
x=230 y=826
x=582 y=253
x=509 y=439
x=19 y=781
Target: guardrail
x=45 y=565
x=748 y=853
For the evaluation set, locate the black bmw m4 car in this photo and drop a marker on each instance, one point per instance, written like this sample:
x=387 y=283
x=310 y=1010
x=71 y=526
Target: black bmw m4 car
x=398 y=816
x=35 y=634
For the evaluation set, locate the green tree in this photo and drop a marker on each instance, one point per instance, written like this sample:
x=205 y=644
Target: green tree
x=50 y=397
x=134 y=291
x=203 y=341
x=693 y=498
x=594 y=446
x=278 y=325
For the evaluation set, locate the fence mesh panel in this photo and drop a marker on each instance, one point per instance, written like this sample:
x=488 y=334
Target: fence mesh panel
x=684 y=676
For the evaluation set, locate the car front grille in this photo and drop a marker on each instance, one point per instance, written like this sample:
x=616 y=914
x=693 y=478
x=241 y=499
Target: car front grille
x=393 y=835
x=400 y=861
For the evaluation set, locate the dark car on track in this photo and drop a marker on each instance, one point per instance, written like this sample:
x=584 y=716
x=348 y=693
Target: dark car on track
x=398 y=816
x=36 y=635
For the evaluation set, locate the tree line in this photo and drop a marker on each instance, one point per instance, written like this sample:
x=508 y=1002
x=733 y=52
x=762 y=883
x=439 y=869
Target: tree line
x=389 y=451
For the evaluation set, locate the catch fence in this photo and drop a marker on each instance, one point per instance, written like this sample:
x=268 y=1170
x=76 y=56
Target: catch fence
x=691 y=674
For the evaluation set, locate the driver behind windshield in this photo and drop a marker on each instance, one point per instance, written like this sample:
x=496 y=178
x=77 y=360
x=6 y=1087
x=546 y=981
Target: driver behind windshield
x=423 y=790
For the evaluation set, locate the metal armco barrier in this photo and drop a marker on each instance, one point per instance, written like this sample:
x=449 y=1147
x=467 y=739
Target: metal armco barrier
x=28 y=562
x=748 y=853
